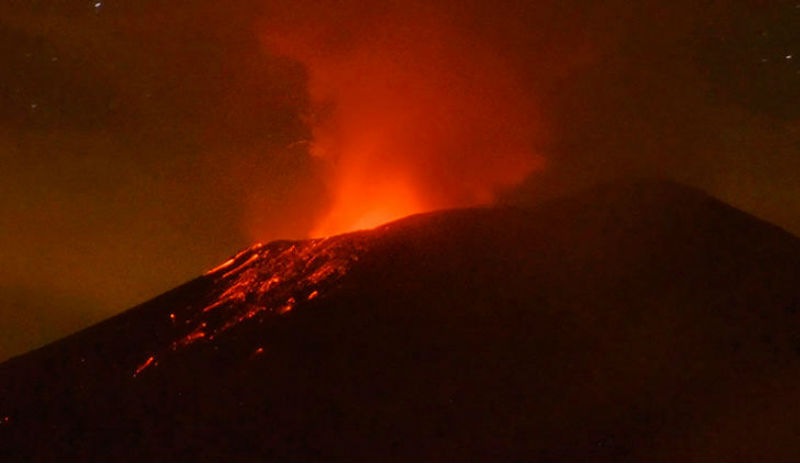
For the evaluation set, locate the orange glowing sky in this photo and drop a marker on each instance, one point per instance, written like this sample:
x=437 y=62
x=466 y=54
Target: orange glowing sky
x=410 y=111
x=143 y=142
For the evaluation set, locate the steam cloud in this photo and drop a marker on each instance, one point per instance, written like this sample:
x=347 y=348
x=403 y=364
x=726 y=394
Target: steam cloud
x=412 y=109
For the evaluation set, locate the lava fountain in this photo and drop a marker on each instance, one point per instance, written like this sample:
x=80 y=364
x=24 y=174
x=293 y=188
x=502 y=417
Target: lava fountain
x=411 y=111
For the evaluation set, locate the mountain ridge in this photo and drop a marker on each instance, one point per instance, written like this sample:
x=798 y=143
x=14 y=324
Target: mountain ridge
x=625 y=322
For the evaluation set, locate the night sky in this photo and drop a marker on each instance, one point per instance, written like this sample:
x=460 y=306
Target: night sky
x=144 y=141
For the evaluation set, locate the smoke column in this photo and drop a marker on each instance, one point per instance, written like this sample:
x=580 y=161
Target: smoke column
x=412 y=110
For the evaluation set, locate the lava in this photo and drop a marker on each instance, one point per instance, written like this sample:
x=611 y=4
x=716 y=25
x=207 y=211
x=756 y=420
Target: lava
x=188 y=339
x=222 y=266
x=260 y=282
x=147 y=363
x=411 y=112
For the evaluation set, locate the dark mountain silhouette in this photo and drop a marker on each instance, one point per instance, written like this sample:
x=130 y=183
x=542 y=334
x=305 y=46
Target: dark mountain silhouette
x=634 y=321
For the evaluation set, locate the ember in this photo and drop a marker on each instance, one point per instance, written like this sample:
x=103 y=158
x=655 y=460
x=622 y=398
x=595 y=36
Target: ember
x=260 y=282
x=147 y=363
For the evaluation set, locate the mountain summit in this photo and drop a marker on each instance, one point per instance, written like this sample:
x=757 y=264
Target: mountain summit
x=633 y=321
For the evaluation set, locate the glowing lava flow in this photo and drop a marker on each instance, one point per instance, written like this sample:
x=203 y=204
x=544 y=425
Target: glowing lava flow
x=258 y=283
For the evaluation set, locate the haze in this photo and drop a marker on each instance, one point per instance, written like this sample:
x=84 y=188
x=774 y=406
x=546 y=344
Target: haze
x=143 y=142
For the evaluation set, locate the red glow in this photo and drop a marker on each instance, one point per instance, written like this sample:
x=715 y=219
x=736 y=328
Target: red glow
x=412 y=113
x=146 y=364
x=359 y=205
x=188 y=339
x=285 y=309
x=222 y=266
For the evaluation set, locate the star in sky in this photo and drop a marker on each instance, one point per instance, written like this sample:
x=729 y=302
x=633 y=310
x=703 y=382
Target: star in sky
x=755 y=58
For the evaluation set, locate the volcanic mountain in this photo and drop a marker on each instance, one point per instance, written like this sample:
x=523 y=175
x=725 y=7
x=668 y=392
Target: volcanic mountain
x=643 y=320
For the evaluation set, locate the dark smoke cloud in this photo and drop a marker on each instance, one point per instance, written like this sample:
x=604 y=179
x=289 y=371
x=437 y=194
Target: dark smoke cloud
x=421 y=105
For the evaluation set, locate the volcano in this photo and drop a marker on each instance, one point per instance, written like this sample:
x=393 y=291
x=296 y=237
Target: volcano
x=644 y=320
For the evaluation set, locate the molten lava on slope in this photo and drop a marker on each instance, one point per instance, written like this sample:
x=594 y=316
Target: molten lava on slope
x=632 y=322
x=260 y=282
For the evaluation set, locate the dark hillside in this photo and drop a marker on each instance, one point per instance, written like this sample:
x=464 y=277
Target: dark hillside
x=634 y=321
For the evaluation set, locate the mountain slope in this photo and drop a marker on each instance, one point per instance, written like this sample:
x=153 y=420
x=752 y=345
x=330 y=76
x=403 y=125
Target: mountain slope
x=642 y=320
